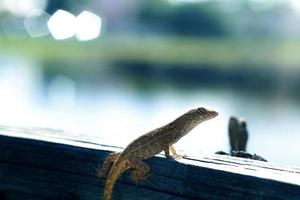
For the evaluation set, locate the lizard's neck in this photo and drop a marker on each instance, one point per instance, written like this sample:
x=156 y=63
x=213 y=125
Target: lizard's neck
x=181 y=127
x=187 y=125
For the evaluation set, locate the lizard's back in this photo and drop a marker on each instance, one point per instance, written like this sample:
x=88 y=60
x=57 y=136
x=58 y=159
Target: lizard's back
x=151 y=143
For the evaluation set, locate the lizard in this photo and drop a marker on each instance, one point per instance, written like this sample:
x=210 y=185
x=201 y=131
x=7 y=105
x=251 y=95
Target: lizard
x=148 y=145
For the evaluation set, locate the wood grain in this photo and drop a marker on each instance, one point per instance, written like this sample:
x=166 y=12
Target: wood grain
x=45 y=164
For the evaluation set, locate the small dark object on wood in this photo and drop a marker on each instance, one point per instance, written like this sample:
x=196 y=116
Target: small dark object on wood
x=238 y=137
x=238 y=134
x=242 y=154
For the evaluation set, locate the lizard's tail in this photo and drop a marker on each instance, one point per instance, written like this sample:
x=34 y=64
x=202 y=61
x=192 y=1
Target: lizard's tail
x=117 y=169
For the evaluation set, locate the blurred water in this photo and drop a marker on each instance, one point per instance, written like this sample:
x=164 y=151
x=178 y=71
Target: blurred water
x=115 y=111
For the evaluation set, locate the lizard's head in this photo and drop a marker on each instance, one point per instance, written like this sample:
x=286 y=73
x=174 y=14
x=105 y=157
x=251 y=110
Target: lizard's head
x=199 y=115
x=194 y=117
x=203 y=114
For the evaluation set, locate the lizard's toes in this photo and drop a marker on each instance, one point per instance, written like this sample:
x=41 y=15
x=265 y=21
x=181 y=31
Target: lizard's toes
x=135 y=178
x=178 y=156
x=101 y=174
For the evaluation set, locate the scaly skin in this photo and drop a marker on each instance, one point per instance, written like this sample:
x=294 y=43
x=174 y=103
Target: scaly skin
x=148 y=145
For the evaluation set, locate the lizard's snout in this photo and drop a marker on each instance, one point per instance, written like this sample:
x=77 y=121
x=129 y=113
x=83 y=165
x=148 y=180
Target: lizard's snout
x=207 y=113
x=214 y=113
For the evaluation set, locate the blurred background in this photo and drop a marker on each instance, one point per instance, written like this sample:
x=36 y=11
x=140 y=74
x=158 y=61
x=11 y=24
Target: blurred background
x=109 y=71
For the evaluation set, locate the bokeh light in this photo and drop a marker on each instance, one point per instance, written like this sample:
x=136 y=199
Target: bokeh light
x=62 y=25
x=36 y=23
x=88 y=26
x=23 y=7
x=295 y=4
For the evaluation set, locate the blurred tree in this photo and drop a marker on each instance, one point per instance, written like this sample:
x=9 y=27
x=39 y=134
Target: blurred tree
x=69 y=5
x=191 y=19
x=54 y=5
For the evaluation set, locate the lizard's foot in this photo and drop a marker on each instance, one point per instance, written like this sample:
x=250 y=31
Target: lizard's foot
x=178 y=156
x=101 y=174
x=140 y=170
x=175 y=155
x=104 y=169
x=137 y=176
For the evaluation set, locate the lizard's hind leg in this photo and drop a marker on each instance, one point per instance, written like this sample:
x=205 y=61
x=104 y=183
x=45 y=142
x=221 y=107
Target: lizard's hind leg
x=106 y=164
x=140 y=170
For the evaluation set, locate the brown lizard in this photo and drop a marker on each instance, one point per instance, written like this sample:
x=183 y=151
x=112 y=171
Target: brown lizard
x=148 y=145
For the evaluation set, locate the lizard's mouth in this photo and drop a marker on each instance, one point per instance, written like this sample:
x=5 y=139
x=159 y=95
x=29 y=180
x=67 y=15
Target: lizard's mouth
x=214 y=113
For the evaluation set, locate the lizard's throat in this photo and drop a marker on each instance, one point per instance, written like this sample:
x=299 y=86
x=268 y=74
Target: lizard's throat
x=189 y=126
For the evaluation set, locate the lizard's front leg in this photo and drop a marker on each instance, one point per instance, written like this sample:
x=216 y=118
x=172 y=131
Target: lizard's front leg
x=105 y=167
x=171 y=149
x=140 y=170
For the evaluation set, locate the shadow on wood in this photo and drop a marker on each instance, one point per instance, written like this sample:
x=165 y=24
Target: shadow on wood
x=38 y=169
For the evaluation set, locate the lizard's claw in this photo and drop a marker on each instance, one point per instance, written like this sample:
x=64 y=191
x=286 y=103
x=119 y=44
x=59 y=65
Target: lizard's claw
x=177 y=157
x=174 y=157
x=101 y=173
x=136 y=177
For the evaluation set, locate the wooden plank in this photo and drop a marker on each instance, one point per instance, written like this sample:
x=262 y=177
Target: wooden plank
x=41 y=169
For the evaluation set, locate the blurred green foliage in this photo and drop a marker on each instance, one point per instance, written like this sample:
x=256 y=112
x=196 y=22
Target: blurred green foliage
x=192 y=19
x=170 y=50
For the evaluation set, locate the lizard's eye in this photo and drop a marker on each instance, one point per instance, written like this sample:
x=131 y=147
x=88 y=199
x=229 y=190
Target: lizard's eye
x=201 y=110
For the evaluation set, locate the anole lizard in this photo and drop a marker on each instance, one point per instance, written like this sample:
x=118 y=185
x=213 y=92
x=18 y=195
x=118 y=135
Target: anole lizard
x=148 y=145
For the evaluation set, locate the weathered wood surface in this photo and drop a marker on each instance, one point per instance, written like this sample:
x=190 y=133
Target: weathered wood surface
x=40 y=164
